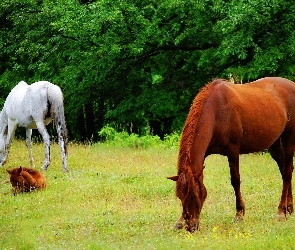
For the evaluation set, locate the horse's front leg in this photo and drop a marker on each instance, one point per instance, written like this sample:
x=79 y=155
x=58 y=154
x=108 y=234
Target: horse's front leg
x=233 y=160
x=46 y=138
x=29 y=146
x=10 y=134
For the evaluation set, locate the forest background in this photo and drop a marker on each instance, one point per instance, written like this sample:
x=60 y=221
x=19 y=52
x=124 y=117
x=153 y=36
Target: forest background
x=137 y=65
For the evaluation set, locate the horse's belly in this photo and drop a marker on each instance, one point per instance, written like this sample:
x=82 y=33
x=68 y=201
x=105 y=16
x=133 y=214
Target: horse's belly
x=33 y=125
x=258 y=140
x=261 y=126
x=251 y=136
x=247 y=149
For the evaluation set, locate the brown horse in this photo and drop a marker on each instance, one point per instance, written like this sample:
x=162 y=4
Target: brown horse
x=231 y=119
x=26 y=179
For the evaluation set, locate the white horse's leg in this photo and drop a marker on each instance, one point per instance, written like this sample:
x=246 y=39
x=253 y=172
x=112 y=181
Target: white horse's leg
x=10 y=134
x=29 y=145
x=61 y=143
x=46 y=138
x=4 y=159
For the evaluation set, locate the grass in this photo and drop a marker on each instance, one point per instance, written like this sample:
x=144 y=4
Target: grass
x=118 y=198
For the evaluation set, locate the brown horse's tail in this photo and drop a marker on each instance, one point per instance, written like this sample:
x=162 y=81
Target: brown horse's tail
x=55 y=99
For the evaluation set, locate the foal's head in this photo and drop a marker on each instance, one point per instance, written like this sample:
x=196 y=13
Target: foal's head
x=192 y=193
x=17 y=180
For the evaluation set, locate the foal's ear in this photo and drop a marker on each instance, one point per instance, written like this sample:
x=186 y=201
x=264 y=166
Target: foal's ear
x=8 y=171
x=173 y=178
x=20 y=170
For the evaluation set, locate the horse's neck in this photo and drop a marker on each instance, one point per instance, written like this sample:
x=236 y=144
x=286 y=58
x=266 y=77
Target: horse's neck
x=200 y=143
x=3 y=122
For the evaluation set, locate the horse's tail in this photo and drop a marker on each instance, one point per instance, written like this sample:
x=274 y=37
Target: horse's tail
x=55 y=99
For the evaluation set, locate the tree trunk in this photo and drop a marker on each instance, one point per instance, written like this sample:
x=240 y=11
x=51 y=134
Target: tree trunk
x=100 y=115
x=90 y=124
x=81 y=125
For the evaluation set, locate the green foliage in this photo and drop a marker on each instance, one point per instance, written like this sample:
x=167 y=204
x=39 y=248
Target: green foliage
x=123 y=139
x=108 y=133
x=141 y=62
x=172 y=140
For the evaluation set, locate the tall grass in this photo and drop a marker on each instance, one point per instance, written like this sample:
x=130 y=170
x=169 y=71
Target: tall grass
x=117 y=197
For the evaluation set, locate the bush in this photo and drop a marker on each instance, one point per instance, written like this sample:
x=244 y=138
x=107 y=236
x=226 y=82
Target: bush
x=172 y=140
x=124 y=139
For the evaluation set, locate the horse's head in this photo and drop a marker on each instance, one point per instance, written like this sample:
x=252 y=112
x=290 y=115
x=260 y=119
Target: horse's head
x=192 y=193
x=17 y=181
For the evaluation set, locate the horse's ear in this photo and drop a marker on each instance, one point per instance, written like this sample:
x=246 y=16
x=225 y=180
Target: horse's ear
x=19 y=170
x=173 y=178
x=8 y=171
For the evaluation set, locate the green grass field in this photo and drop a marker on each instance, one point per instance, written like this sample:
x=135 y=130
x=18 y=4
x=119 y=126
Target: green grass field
x=119 y=198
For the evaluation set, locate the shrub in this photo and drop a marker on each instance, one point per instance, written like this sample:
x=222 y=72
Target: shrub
x=124 y=139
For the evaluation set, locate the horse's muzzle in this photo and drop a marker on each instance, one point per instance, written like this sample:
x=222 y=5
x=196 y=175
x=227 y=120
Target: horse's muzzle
x=192 y=225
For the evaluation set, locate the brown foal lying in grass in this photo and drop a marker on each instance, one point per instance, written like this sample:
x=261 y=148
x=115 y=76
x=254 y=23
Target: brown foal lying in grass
x=26 y=179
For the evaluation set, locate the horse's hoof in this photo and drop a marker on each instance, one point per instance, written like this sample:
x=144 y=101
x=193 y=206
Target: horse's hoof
x=290 y=208
x=178 y=226
x=281 y=217
x=66 y=170
x=238 y=218
x=44 y=168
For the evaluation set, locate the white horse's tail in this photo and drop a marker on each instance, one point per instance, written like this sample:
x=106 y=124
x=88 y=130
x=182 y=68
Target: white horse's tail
x=55 y=99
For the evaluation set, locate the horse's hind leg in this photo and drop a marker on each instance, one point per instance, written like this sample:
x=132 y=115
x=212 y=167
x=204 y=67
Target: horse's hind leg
x=290 y=208
x=29 y=145
x=46 y=138
x=62 y=145
x=286 y=203
x=283 y=155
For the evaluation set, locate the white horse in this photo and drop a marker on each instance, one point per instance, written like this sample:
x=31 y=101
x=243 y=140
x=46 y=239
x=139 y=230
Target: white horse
x=33 y=107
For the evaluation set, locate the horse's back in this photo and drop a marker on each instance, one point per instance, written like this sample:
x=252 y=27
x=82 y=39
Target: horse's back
x=28 y=104
x=44 y=90
x=38 y=90
x=265 y=96
x=278 y=87
x=37 y=176
x=252 y=115
x=37 y=86
x=270 y=97
x=268 y=85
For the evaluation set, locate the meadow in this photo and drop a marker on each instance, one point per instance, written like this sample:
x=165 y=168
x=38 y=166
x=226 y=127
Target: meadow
x=118 y=197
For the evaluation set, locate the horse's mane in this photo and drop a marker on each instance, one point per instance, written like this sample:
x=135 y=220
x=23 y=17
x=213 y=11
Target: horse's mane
x=191 y=123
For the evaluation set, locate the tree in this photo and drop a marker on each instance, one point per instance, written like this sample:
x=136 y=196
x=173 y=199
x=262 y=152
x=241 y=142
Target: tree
x=138 y=64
